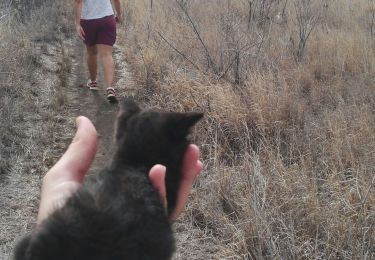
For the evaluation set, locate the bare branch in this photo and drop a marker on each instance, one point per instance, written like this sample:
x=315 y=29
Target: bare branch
x=211 y=64
x=179 y=52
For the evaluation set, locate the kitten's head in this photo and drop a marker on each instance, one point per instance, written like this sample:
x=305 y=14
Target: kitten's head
x=146 y=138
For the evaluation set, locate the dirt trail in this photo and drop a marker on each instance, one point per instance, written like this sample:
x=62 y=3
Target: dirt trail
x=48 y=129
x=93 y=104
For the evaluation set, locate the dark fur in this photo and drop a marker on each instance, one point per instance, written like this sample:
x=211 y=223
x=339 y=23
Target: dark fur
x=120 y=216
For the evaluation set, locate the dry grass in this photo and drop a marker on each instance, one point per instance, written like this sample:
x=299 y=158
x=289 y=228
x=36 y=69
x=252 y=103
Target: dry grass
x=288 y=146
x=33 y=132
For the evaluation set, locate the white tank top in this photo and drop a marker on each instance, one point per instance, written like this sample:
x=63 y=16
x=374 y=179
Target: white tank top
x=94 y=9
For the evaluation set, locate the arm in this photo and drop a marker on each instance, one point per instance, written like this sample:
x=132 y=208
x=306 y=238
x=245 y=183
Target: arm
x=117 y=6
x=77 y=18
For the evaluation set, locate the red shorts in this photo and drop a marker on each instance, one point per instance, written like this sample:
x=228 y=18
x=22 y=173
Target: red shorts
x=99 y=31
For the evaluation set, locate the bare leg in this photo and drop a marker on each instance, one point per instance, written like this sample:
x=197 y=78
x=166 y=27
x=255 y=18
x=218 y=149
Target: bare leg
x=92 y=64
x=105 y=53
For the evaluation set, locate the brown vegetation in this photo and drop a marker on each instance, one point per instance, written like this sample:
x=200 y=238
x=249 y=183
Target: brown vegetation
x=32 y=125
x=289 y=135
x=288 y=138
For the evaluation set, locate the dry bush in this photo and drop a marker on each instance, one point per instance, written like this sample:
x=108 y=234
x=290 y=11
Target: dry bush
x=288 y=146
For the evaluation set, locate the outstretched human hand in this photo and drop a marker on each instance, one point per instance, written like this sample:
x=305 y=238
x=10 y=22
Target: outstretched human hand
x=67 y=175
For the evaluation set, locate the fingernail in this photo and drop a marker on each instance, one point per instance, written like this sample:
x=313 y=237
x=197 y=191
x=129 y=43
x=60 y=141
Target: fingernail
x=162 y=167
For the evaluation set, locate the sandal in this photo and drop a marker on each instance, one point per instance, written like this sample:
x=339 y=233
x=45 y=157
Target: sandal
x=111 y=94
x=92 y=85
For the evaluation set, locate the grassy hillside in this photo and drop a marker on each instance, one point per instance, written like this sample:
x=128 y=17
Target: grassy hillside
x=288 y=138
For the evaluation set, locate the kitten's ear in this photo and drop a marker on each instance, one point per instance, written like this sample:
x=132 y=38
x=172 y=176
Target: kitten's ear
x=128 y=108
x=180 y=123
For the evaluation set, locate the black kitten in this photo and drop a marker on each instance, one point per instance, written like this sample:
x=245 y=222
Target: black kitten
x=120 y=216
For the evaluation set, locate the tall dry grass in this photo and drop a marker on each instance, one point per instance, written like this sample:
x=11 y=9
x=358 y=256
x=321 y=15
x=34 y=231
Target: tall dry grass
x=288 y=142
x=288 y=138
x=31 y=124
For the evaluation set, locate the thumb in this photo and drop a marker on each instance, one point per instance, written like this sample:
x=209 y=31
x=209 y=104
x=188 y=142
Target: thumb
x=157 y=178
x=66 y=176
x=81 y=152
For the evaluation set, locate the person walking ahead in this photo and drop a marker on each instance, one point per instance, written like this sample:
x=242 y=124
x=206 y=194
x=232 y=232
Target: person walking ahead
x=95 y=22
